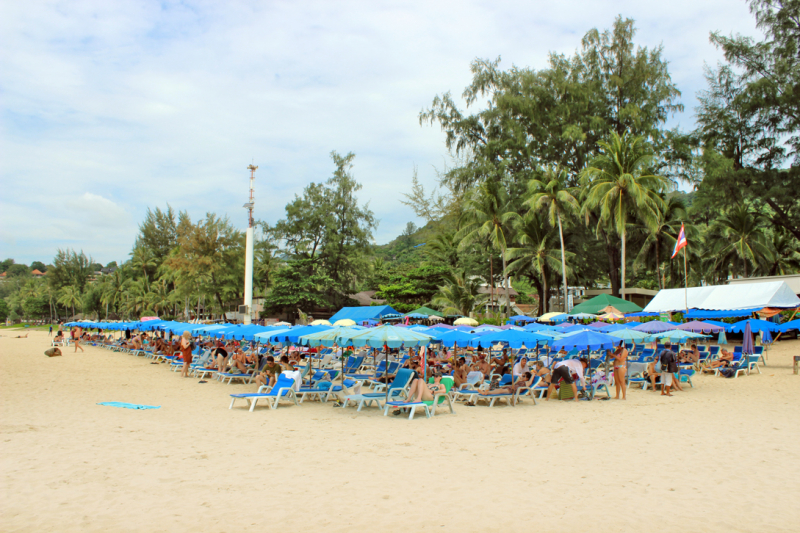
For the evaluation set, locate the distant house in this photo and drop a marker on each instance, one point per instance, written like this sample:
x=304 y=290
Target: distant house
x=498 y=297
x=36 y=273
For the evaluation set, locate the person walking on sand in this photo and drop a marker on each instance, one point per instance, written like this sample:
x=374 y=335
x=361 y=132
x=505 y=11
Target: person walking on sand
x=620 y=356
x=186 y=352
x=51 y=331
x=76 y=338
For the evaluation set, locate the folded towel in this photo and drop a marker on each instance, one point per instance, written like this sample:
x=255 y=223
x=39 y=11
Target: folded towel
x=129 y=405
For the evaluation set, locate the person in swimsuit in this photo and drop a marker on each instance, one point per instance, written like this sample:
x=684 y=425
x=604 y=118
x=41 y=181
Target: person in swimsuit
x=77 y=339
x=186 y=353
x=620 y=356
x=525 y=380
x=543 y=372
x=421 y=391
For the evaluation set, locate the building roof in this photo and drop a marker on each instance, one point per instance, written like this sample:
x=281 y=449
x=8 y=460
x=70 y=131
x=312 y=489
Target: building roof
x=498 y=291
x=360 y=314
x=35 y=272
x=739 y=296
x=792 y=280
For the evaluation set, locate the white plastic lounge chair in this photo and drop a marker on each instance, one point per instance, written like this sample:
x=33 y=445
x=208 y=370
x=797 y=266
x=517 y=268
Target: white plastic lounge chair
x=282 y=390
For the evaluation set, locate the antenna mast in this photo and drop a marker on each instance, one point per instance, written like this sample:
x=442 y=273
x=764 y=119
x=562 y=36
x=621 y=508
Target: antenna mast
x=248 y=251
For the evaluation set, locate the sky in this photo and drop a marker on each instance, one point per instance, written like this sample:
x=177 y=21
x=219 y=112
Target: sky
x=108 y=108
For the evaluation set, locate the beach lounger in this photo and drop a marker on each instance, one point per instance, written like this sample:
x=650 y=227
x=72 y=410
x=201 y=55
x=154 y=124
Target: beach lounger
x=398 y=388
x=281 y=390
x=428 y=406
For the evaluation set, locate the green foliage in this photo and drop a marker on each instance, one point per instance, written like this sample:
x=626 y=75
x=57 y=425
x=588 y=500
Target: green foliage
x=70 y=269
x=3 y=310
x=298 y=285
x=18 y=270
x=38 y=265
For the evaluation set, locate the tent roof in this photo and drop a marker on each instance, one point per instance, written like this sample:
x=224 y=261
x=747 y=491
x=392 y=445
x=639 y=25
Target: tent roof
x=726 y=297
x=426 y=311
x=601 y=301
x=359 y=314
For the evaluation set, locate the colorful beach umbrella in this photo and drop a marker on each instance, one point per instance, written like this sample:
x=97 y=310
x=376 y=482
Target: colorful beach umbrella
x=701 y=327
x=654 y=327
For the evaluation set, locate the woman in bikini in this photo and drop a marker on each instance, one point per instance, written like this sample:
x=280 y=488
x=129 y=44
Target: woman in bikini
x=620 y=356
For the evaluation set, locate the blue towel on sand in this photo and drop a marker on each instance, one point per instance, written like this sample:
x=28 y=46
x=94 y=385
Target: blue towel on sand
x=129 y=405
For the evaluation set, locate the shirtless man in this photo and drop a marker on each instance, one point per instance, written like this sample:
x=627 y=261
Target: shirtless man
x=78 y=332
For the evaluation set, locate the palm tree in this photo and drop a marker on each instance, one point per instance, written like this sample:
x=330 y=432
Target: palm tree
x=443 y=247
x=661 y=232
x=742 y=239
x=552 y=193
x=142 y=258
x=69 y=296
x=487 y=214
x=785 y=252
x=460 y=295
x=160 y=297
x=536 y=252
x=620 y=183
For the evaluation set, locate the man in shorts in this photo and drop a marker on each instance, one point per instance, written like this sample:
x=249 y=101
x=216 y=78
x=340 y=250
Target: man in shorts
x=566 y=372
x=669 y=365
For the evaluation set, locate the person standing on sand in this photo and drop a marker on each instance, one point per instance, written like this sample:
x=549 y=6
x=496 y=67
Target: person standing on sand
x=620 y=356
x=669 y=365
x=51 y=331
x=186 y=352
x=76 y=338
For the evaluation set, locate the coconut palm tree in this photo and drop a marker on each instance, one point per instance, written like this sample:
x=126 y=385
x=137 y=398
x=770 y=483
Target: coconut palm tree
x=487 y=215
x=536 y=251
x=552 y=193
x=460 y=295
x=142 y=258
x=785 y=252
x=69 y=296
x=620 y=182
x=660 y=234
x=740 y=239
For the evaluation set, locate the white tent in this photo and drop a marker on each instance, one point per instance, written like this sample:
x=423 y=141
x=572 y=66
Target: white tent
x=725 y=297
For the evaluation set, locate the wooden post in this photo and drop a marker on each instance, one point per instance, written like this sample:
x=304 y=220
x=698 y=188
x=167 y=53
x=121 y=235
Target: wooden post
x=796 y=367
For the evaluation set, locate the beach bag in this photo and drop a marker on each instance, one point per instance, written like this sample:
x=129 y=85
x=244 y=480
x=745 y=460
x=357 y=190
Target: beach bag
x=52 y=352
x=565 y=392
x=727 y=372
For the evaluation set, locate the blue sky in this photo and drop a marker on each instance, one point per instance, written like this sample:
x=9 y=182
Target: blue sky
x=110 y=107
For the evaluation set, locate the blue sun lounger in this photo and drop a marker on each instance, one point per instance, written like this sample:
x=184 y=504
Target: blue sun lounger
x=281 y=390
x=398 y=388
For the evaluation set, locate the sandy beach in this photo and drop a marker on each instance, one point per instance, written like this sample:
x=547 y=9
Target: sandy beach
x=724 y=456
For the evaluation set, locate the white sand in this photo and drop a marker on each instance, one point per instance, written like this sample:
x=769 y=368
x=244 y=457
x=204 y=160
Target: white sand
x=724 y=456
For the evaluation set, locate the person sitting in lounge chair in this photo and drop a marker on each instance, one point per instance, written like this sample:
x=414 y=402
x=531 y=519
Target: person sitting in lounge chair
x=543 y=372
x=653 y=373
x=270 y=372
x=689 y=356
x=459 y=373
x=525 y=380
x=421 y=391
x=724 y=361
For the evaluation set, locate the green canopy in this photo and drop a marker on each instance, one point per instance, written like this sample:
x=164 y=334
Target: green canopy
x=426 y=311
x=601 y=301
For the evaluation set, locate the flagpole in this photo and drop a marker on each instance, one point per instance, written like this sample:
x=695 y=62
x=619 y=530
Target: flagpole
x=685 y=283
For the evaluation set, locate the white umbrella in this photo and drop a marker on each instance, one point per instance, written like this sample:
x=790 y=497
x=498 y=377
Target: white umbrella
x=465 y=321
x=345 y=322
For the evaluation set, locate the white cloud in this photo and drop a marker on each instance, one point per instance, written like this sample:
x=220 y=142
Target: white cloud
x=111 y=107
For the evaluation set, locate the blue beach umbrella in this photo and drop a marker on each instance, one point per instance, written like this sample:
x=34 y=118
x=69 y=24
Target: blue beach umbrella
x=515 y=339
x=755 y=325
x=586 y=340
